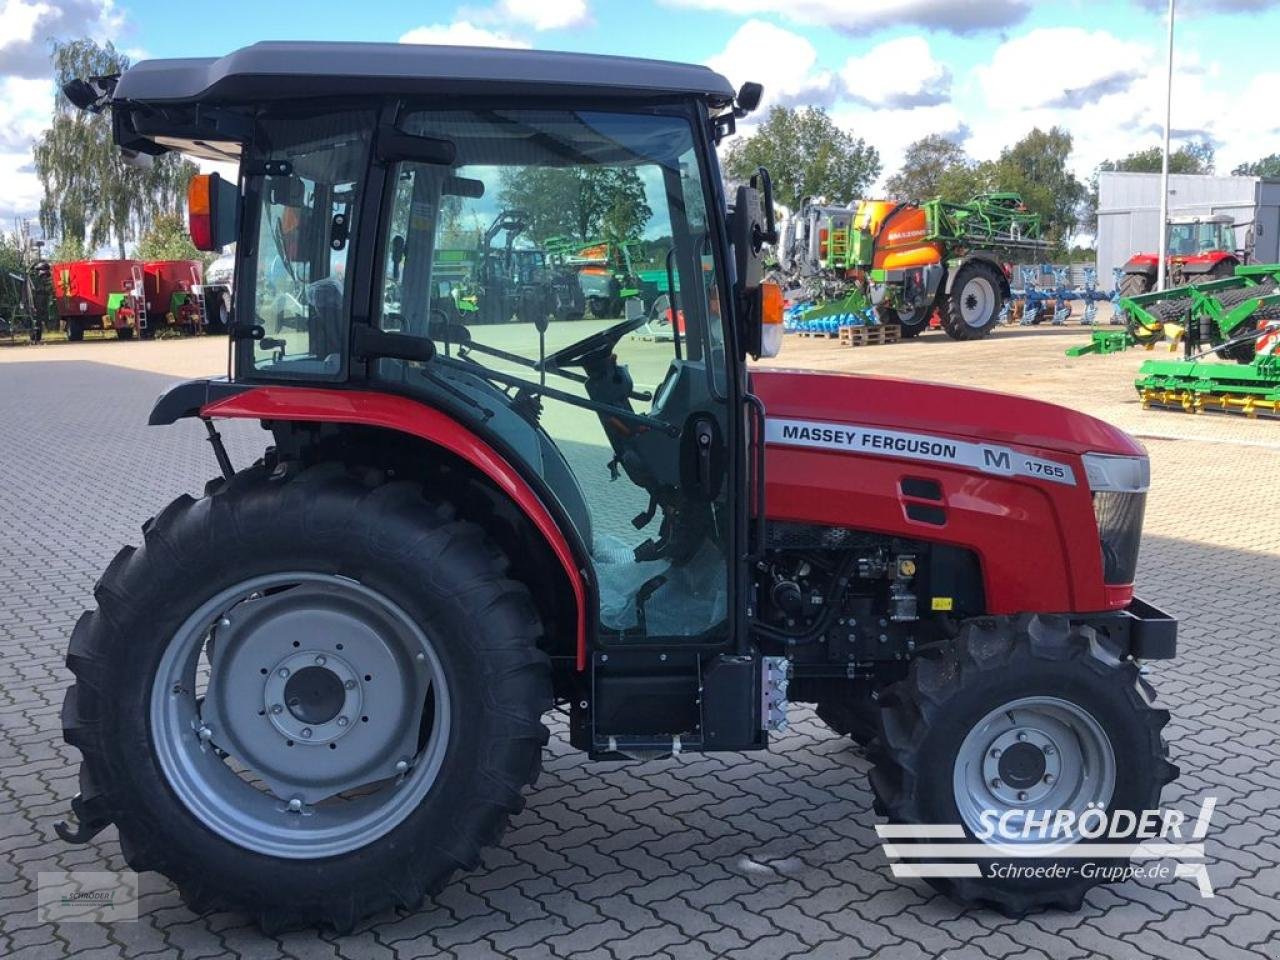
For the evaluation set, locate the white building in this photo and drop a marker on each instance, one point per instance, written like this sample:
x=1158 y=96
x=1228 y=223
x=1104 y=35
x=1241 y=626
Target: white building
x=1129 y=213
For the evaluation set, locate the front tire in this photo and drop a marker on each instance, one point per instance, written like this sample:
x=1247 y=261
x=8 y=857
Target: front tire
x=911 y=323
x=972 y=309
x=1022 y=715
x=324 y=561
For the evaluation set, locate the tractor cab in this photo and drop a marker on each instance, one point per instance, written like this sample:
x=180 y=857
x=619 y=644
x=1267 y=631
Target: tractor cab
x=1191 y=236
x=350 y=213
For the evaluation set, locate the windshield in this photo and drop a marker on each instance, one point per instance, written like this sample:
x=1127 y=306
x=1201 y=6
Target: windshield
x=1188 y=239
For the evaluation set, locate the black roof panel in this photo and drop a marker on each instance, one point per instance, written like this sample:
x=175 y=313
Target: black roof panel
x=287 y=70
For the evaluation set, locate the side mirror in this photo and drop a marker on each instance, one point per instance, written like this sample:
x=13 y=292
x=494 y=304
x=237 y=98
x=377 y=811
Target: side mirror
x=213 y=211
x=759 y=304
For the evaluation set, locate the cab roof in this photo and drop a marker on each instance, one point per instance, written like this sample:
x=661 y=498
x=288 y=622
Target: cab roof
x=295 y=69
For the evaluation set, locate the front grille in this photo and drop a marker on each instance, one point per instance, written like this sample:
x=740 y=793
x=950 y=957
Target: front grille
x=1119 y=515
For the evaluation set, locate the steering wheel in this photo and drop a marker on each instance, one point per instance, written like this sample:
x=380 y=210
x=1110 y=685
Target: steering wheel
x=578 y=353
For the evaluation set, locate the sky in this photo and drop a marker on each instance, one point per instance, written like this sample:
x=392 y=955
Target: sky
x=981 y=72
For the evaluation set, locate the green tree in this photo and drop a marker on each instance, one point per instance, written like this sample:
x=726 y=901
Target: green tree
x=1194 y=157
x=585 y=203
x=167 y=239
x=1268 y=166
x=91 y=196
x=929 y=163
x=1037 y=168
x=806 y=155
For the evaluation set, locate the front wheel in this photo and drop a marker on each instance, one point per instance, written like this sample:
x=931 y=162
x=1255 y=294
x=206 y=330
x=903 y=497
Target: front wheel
x=972 y=308
x=308 y=700
x=910 y=323
x=1025 y=721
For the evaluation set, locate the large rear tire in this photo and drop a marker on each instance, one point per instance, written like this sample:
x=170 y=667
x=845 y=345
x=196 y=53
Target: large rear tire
x=972 y=308
x=1135 y=285
x=228 y=791
x=1022 y=715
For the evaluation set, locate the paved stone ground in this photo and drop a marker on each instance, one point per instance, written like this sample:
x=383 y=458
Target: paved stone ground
x=761 y=855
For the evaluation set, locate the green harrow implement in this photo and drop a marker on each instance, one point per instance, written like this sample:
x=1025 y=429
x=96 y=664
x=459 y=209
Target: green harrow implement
x=1236 y=318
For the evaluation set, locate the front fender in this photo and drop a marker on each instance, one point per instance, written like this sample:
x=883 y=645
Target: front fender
x=219 y=398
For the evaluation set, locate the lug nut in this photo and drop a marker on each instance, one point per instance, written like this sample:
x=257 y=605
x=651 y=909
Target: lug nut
x=343 y=721
x=224 y=622
x=995 y=784
x=1049 y=750
x=205 y=732
x=321 y=661
x=350 y=684
x=283 y=672
x=995 y=754
x=1022 y=738
x=295 y=804
x=306 y=733
x=1021 y=795
x=422 y=656
x=402 y=766
x=1048 y=778
x=277 y=708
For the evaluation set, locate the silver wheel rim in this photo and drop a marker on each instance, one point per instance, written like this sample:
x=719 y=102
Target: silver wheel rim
x=978 y=302
x=1029 y=756
x=323 y=722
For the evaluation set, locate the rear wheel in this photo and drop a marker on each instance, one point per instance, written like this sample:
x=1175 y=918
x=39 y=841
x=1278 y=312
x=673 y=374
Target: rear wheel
x=308 y=700
x=75 y=329
x=1023 y=716
x=1135 y=284
x=972 y=308
x=124 y=333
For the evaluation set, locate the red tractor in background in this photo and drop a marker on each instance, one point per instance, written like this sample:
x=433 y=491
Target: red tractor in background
x=100 y=294
x=318 y=690
x=1199 y=248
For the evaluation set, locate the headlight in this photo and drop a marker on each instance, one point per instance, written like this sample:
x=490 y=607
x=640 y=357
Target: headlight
x=1119 y=486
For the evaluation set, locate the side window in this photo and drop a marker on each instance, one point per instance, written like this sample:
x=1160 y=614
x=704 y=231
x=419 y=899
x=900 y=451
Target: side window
x=307 y=220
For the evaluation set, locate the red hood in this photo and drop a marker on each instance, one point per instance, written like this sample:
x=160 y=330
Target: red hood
x=961 y=412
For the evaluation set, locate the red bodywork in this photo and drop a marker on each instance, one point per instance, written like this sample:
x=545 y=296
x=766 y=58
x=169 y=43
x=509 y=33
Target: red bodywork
x=81 y=288
x=163 y=279
x=420 y=420
x=1036 y=540
x=1198 y=263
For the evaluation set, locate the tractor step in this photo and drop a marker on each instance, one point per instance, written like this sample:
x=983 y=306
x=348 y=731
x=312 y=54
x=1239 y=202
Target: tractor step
x=871 y=336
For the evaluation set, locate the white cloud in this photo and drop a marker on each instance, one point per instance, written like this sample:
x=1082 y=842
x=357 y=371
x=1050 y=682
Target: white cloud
x=892 y=130
x=867 y=16
x=26 y=28
x=1026 y=73
x=783 y=61
x=545 y=14
x=897 y=73
x=462 y=33
x=25 y=108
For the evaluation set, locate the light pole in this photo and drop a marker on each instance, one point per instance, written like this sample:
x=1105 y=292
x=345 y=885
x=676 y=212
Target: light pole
x=1164 y=159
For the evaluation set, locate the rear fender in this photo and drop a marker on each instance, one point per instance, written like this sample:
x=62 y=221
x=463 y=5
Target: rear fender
x=990 y=259
x=218 y=399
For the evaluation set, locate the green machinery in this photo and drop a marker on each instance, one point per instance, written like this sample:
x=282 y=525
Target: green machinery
x=1233 y=319
x=910 y=258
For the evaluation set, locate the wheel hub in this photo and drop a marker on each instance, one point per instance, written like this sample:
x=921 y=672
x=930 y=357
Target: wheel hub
x=313 y=696
x=1029 y=756
x=313 y=717
x=1021 y=766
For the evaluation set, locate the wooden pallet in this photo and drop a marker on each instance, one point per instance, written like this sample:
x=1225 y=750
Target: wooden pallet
x=818 y=335
x=861 y=336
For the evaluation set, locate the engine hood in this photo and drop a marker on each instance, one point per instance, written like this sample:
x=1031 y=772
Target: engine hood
x=961 y=412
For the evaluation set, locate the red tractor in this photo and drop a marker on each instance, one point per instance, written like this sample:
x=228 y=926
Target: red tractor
x=1199 y=248
x=317 y=690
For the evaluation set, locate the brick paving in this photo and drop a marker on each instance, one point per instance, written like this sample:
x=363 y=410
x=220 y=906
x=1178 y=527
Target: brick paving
x=761 y=855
